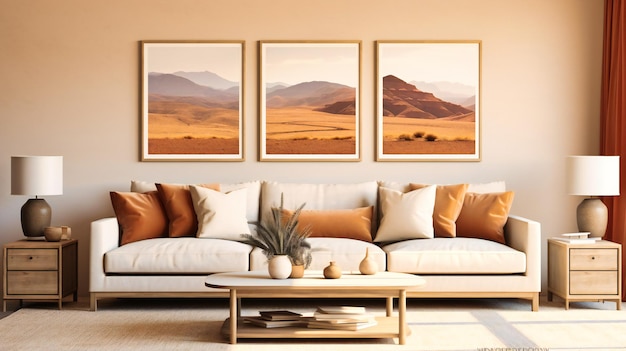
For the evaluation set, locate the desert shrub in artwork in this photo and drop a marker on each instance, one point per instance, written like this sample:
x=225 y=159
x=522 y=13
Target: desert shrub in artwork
x=405 y=137
x=430 y=137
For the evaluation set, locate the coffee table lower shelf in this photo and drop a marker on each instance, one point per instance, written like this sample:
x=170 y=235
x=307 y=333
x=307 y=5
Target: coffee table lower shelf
x=387 y=327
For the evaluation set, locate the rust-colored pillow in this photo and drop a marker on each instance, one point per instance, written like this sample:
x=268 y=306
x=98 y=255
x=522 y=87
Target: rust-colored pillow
x=448 y=204
x=140 y=215
x=484 y=216
x=176 y=199
x=352 y=223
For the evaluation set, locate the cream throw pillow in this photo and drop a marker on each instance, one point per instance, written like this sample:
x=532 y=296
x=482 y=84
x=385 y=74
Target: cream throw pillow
x=406 y=215
x=448 y=204
x=220 y=216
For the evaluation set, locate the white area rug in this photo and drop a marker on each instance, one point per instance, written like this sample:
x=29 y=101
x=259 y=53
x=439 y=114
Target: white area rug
x=195 y=325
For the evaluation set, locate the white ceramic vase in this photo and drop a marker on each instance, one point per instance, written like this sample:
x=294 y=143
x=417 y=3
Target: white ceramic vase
x=279 y=267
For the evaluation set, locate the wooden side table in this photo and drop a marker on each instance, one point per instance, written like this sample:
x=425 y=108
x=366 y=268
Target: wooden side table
x=585 y=272
x=40 y=270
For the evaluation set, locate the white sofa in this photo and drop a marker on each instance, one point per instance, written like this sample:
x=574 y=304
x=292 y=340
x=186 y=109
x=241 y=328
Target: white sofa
x=452 y=267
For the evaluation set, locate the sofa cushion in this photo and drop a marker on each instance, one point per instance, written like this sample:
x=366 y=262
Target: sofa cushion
x=352 y=224
x=178 y=256
x=454 y=256
x=347 y=254
x=140 y=215
x=319 y=196
x=448 y=204
x=406 y=215
x=484 y=188
x=220 y=216
x=484 y=215
x=179 y=208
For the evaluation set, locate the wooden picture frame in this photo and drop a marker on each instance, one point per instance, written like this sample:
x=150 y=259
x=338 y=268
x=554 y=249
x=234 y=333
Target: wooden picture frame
x=192 y=100
x=428 y=100
x=309 y=100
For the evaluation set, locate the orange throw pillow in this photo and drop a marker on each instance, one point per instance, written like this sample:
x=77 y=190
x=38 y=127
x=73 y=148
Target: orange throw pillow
x=484 y=216
x=448 y=204
x=352 y=224
x=178 y=205
x=140 y=215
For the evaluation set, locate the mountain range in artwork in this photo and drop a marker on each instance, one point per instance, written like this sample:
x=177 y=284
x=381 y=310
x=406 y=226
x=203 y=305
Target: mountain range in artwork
x=193 y=113
x=416 y=121
x=199 y=113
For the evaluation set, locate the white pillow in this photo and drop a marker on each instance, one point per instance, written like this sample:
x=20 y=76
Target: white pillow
x=406 y=215
x=220 y=216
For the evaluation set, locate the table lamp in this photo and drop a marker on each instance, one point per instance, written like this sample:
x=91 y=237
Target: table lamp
x=36 y=176
x=593 y=176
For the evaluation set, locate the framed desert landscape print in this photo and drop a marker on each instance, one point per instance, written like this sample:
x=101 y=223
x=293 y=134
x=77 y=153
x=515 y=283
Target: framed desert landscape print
x=428 y=100
x=192 y=100
x=309 y=100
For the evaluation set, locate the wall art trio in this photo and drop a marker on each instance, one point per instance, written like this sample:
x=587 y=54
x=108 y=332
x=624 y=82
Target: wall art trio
x=427 y=100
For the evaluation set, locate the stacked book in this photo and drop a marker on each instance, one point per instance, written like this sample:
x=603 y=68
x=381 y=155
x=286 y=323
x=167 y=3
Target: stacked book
x=578 y=238
x=342 y=318
x=278 y=319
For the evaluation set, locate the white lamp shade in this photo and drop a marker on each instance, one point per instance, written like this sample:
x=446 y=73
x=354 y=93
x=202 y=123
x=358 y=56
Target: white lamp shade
x=36 y=175
x=593 y=175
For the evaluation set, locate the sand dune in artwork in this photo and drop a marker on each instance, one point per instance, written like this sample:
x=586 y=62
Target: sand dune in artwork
x=177 y=127
x=303 y=123
x=300 y=130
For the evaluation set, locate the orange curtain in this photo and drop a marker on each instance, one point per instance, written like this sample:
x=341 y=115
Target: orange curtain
x=613 y=115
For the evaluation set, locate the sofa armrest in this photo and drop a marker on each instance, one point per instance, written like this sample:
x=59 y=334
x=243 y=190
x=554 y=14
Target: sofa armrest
x=524 y=235
x=104 y=238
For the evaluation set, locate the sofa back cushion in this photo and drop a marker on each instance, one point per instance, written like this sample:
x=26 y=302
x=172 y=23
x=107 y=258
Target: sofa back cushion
x=319 y=197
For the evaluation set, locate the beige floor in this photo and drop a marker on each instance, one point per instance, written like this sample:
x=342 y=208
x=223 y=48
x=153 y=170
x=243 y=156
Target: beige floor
x=453 y=325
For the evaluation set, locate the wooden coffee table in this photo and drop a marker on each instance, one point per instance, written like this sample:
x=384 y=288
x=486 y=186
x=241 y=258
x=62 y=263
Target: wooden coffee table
x=258 y=284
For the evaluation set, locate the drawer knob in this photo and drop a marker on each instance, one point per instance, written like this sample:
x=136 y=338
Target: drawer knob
x=593 y=257
x=30 y=258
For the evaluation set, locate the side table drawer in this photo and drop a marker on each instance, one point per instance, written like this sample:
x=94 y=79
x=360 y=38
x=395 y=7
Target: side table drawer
x=32 y=283
x=593 y=283
x=593 y=259
x=32 y=259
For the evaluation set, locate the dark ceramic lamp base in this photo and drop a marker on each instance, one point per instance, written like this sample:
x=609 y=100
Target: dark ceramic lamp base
x=36 y=215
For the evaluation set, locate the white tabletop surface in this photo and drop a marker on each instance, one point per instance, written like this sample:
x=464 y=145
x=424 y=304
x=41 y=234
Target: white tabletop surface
x=312 y=279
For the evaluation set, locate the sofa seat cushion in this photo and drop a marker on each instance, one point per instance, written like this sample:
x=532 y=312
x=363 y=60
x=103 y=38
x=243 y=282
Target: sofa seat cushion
x=178 y=256
x=454 y=256
x=346 y=253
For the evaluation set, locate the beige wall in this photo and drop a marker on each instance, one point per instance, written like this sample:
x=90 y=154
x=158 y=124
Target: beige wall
x=69 y=74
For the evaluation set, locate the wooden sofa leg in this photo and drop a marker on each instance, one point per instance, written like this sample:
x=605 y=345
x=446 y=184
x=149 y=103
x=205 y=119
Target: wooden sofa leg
x=93 y=302
x=535 y=302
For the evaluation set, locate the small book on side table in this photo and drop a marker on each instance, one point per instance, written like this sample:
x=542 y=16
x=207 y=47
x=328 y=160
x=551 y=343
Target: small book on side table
x=577 y=238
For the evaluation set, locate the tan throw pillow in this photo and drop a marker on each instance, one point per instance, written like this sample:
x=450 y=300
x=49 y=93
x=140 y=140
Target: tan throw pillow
x=141 y=216
x=351 y=223
x=448 y=204
x=406 y=215
x=484 y=216
x=220 y=216
x=176 y=199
